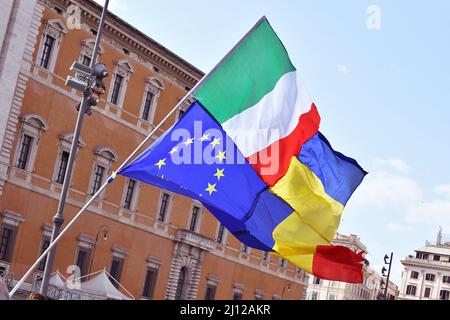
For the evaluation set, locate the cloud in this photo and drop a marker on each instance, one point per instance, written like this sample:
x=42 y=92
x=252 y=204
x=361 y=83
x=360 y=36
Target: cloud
x=402 y=198
x=394 y=163
x=398 y=227
x=443 y=190
x=436 y=212
x=382 y=190
x=343 y=69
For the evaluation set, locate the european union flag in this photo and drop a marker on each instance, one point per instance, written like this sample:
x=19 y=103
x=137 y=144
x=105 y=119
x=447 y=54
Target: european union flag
x=196 y=158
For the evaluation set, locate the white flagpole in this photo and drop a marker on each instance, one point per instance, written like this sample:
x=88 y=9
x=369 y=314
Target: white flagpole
x=114 y=174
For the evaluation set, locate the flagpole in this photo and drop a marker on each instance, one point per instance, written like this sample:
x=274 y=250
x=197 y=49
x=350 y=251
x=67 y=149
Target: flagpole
x=114 y=174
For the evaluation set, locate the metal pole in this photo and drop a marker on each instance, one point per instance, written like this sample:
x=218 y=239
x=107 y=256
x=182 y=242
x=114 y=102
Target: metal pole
x=58 y=219
x=113 y=176
x=388 y=276
x=54 y=242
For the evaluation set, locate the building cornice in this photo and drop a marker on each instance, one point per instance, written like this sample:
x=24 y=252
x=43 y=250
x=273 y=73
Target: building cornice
x=143 y=45
x=412 y=262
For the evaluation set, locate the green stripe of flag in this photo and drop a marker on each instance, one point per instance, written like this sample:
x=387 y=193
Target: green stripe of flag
x=250 y=72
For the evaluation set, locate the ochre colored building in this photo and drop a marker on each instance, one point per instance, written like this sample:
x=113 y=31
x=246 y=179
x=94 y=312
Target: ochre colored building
x=159 y=245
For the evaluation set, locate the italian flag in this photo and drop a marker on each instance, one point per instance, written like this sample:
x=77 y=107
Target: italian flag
x=261 y=103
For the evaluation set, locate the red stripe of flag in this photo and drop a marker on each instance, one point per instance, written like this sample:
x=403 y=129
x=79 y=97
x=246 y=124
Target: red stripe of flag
x=286 y=148
x=338 y=263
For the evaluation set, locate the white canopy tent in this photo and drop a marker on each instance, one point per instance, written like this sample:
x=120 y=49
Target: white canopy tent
x=101 y=286
x=57 y=281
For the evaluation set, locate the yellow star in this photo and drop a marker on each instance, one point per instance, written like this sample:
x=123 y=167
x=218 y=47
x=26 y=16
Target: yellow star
x=188 y=141
x=204 y=138
x=215 y=142
x=221 y=156
x=211 y=188
x=219 y=174
x=175 y=149
x=161 y=163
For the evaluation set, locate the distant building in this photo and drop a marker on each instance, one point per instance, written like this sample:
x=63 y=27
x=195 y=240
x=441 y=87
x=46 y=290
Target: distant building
x=319 y=289
x=427 y=274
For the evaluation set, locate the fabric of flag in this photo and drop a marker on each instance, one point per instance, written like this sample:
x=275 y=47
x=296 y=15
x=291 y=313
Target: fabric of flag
x=260 y=101
x=296 y=218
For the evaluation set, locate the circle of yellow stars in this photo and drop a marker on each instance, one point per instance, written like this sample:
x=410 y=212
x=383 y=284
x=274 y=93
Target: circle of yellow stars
x=220 y=155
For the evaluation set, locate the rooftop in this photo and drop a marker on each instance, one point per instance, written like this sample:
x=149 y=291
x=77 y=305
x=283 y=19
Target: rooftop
x=442 y=250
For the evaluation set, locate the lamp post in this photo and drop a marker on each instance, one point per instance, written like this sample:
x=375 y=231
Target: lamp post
x=387 y=261
x=105 y=230
x=89 y=80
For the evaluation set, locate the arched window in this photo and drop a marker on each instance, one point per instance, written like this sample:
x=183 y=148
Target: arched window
x=50 y=43
x=183 y=283
x=62 y=160
x=26 y=150
x=153 y=88
x=119 y=83
x=87 y=48
x=104 y=158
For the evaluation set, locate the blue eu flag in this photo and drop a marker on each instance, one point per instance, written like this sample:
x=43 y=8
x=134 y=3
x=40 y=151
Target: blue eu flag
x=195 y=158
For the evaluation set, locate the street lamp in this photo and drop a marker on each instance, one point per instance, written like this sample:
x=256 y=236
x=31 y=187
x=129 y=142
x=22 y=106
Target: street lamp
x=105 y=230
x=385 y=285
x=88 y=80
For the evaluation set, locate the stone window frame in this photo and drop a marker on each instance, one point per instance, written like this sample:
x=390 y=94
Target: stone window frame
x=168 y=214
x=124 y=69
x=247 y=250
x=87 y=49
x=11 y=220
x=31 y=125
x=119 y=254
x=47 y=230
x=56 y=28
x=85 y=242
x=212 y=281
x=238 y=288
x=224 y=241
x=154 y=264
x=200 y=215
x=413 y=290
x=135 y=198
x=266 y=257
x=154 y=86
x=183 y=108
x=104 y=157
x=65 y=144
x=282 y=263
x=258 y=294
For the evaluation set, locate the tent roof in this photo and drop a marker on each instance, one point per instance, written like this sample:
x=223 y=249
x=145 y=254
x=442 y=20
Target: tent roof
x=101 y=285
x=57 y=280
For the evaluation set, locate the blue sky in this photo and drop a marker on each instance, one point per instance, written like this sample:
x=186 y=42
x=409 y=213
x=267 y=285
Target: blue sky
x=383 y=94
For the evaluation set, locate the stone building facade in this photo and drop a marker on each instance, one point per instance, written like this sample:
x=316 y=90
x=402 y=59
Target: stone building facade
x=319 y=289
x=426 y=275
x=157 y=244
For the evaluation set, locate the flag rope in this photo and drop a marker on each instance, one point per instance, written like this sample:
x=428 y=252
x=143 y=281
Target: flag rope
x=114 y=174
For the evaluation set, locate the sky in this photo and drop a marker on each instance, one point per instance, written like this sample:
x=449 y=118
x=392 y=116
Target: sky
x=379 y=73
